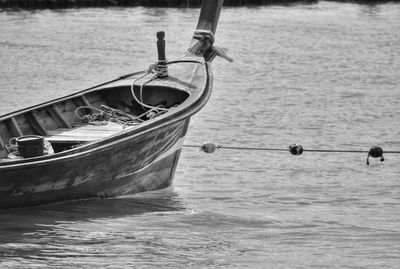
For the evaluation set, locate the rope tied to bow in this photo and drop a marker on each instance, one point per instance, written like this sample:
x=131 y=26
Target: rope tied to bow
x=203 y=37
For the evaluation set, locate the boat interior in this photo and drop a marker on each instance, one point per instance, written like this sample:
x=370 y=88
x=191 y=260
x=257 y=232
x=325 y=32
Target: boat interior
x=85 y=117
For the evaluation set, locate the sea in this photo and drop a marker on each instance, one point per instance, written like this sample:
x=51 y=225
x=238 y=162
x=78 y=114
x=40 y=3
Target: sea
x=325 y=76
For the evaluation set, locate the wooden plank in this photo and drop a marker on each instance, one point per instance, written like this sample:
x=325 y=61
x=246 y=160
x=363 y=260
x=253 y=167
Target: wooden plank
x=13 y=126
x=85 y=100
x=72 y=140
x=84 y=130
x=94 y=97
x=75 y=138
x=5 y=134
x=2 y=143
x=109 y=126
x=67 y=110
x=57 y=115
x=84 y=133
x=37 y=126
x=89 y=127
x=3 y=150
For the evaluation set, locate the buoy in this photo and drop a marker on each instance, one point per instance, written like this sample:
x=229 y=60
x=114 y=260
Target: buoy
x=296 y=149
x=209 y=147
x=375 y=152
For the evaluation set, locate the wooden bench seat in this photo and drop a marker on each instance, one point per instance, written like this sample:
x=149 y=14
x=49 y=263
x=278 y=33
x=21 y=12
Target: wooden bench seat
x=83 y=133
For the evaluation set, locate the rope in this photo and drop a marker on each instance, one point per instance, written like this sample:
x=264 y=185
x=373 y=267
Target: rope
x=150 y=70
x=158 y=69
x=231 y=147
x=296 y=149
x=202 y=36
x=286 y=150
x=115 y=115
x=162 y=69
x=90 y=117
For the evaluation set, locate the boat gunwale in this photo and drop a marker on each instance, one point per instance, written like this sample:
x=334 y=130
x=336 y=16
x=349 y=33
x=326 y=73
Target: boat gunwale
x=178 y=115
x=186 y=59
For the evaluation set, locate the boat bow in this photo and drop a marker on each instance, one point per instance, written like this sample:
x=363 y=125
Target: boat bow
x=131 y=144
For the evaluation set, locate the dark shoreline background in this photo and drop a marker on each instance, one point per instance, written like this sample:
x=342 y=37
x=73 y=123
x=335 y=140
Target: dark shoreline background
x=38 y=4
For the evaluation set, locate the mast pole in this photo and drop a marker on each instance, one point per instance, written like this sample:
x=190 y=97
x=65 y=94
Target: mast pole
x=209 y=15
x=203 y=37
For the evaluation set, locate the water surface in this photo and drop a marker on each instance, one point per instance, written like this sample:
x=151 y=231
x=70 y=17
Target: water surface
x=326 y=76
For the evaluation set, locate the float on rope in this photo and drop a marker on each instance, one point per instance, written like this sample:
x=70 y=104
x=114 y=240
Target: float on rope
x=294 y=149
x=375 y=152
x=209 y=147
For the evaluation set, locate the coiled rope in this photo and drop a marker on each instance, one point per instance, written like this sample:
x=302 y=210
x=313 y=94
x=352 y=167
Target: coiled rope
x=104 y=114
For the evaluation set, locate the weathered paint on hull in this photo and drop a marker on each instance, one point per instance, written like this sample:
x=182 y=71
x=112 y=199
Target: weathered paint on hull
x=130 y=165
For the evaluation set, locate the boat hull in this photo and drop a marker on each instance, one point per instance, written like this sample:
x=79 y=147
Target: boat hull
x=124 y=166
x=152 y=109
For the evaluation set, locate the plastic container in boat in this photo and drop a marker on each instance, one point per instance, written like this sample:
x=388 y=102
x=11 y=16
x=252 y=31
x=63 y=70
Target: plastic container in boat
x=29 y=146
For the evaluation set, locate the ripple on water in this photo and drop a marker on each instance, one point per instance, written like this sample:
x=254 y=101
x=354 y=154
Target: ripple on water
x=325 y=76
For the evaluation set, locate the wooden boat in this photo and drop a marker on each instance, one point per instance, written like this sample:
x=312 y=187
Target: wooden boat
x=121 y=137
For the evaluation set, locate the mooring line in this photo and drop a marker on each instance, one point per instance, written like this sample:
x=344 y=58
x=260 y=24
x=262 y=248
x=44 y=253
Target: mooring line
x=231 y=147
x=287 y=149
x=294 y=149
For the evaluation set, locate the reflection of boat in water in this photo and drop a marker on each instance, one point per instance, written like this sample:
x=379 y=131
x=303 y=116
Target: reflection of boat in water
x=117 y=138
x=16 y=223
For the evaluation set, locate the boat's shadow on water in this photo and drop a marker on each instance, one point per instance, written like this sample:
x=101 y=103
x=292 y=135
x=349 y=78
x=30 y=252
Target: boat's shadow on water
x=20 y=221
